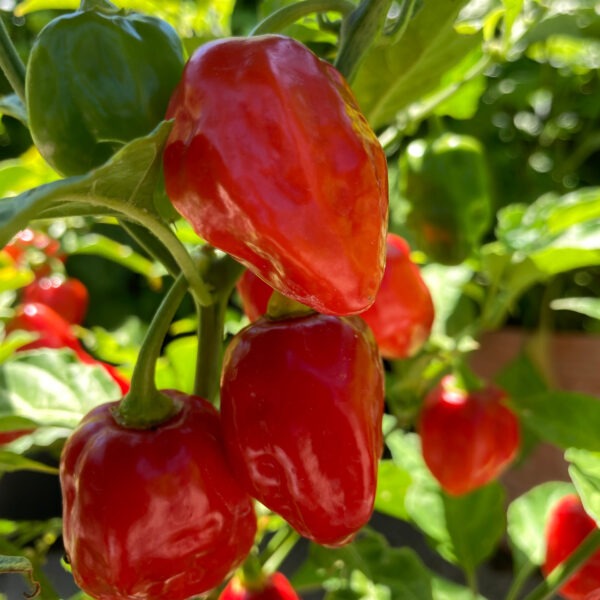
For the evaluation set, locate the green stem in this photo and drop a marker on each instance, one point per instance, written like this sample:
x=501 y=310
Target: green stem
x=288 y=15
x=221 y=272
x=568 y=567
x=276 y=553
x=210 y=349
x=11 y=63
x=400 y=25
x=519 y=580
x=472 y=582
x=359 y=30
x=144 y=406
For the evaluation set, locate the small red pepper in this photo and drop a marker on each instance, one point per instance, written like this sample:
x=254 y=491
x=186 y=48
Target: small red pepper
x=67 y=296
x=152 y=513
x=302 y=404
x=468 y=437
x=568 y=525
x=402 y=315
x=254 y=293
x=36 y=250
x=271 y=160
x=55 y=332
x=6 y=437
x=275 y=587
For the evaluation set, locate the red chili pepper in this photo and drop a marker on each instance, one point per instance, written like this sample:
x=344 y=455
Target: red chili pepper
x=254 y=293
x=402 y=315
x=468 y=437
x=35 y=249
x=568 y=525
x=152 y=513
x=275 y=587
x=67 y=296
x=6 y=437
x=271 y=160
x=302 y=404
x=55 y=332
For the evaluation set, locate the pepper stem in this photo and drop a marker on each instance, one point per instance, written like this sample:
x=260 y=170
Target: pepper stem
x=359 y=30
x=288 y=15
x=11 y=63
x=144 y=406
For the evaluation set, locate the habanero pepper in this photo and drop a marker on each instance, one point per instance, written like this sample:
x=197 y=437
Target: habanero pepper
x=468 y=437
x=272 y=587
x=446 y=182
x=65 y=295
x=568 y=525
x=152 y=513
x=271 y=161
x=96 y=79
x=302 y=406
x=55 y=332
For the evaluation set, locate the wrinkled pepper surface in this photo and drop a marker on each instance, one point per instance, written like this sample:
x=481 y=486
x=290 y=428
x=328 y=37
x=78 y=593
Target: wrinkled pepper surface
x=271 y=160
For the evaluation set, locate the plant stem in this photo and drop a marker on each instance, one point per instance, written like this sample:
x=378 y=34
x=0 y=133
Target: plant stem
x=407 y=10
x=288 y=15
x=275 y=555
x=359 y=30
x=11 y=63
x=472 y=582
x=210 y=352
x=568 y=567
x=517 y=583
x=144 y=406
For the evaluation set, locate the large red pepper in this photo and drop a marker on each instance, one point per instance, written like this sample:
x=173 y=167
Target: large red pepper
x=254 y=293
x=274 y=587
x=468 y=437
x=567 y=527
x=271 y=160
x=152 y=513
x=67 y=296
x=402 y=315
x=55 y=332
x=302 y=404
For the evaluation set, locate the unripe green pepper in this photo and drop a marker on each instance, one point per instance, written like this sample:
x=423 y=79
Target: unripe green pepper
x=446 y=182
x=96 y=79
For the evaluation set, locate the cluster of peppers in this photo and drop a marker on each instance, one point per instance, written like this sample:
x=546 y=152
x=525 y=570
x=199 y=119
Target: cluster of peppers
x=158 y=503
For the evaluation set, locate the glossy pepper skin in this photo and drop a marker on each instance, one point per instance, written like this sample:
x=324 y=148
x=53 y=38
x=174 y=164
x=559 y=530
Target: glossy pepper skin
x=97 y=79
x=254 y=293
x=302 y=404
x=446 y=182
x=568 y=525
x=55 y=332
x=152 y=513
x=402 y=315
x=65 y=295
x=275 y=587
x=467 y=438
x=271 y=161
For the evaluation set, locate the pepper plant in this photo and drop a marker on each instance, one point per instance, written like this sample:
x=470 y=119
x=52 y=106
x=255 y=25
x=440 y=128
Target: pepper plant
x=249 y=251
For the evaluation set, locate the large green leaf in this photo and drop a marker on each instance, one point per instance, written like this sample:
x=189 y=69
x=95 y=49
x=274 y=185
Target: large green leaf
x=394 y=75
x=370 y=567
x=50 y=388
x=392 y=484
x=585 y=473
x=566 y=419
x=526 y=521
x=585 y=306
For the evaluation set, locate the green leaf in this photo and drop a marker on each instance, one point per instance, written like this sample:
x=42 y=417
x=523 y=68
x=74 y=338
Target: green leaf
x=448 y=590
x=585 y=306
x=526 y=522
x=392 y=485
x=566 y=419
x=125 y=184
x=50 y=388
x=12 y=106
x=181 y=354
x=454 y=524
x=393 y=76
x=512 y=9
x=11 y=461
x=370 y=567
x=585 y=473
